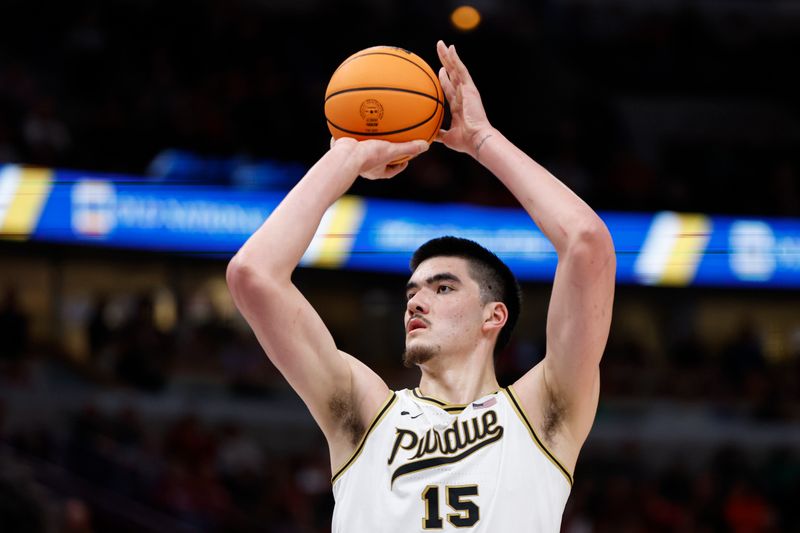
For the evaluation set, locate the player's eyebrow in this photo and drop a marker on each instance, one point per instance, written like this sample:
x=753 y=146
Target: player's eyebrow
x=442 y=276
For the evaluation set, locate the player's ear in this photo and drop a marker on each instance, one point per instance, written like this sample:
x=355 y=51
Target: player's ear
x=495 y=316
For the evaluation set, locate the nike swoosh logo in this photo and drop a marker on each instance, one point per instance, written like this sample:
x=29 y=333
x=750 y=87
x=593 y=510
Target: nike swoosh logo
x=407 y=413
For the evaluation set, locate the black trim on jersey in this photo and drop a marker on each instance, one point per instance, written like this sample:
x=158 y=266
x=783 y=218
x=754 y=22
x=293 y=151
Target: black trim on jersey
x=452 y=408
x=419 y=395
x=539 y=443
x=357 y=451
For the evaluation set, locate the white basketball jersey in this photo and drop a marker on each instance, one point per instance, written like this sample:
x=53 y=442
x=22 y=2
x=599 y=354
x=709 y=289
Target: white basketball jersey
x=427 y=465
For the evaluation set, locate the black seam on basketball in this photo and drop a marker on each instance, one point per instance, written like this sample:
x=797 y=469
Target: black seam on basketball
x=381 y=133
x=435 y=88
x=437 y=128
x=410 y=91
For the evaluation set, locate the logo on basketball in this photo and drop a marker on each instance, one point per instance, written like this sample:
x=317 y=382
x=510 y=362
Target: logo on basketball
x=372 y=112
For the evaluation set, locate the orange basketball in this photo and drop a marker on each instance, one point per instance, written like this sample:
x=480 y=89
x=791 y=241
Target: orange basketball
x=385 y=93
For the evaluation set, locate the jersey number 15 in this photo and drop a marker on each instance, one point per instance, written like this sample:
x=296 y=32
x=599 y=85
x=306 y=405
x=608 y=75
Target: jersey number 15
x=467 y=513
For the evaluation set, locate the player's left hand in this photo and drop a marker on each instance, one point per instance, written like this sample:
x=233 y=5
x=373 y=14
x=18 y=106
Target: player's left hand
x=377 y=160
x=468 y=118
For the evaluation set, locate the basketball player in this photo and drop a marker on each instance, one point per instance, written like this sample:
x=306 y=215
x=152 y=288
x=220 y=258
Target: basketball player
x=458 y=452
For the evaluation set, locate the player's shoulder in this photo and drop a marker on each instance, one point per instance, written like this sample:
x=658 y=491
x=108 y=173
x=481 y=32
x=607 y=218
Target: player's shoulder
x=369 y=390
x=546 y=416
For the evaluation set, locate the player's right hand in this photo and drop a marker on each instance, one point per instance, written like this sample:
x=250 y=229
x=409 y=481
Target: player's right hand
x=468 y=122
x=376 y=159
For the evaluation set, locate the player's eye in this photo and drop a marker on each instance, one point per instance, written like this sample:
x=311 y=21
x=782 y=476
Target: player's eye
x=410 y=295
x=444 y=289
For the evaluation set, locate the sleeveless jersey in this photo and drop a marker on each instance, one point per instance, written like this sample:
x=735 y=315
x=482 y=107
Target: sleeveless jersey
x=427 y=465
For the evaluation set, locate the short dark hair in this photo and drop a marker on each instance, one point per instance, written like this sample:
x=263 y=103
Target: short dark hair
x=497 y=282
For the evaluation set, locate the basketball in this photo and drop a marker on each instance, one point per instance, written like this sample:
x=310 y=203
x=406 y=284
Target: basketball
x=385 y=93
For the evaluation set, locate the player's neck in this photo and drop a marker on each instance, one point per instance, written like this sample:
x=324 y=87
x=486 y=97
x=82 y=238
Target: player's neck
x=458 y=380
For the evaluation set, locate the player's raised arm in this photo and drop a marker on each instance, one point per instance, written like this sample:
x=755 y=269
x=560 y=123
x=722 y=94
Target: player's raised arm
x=340 y=392
x=563 y=391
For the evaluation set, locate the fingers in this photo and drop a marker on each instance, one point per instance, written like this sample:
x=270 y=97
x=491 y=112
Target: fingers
x=441 y=50
x=459 y=65
x=455 y=68
x=447 y=86
x=375 y=153
x=447 y=62
x=342 y=141
x=394 y=170
x=390 y=151
x=410 y=149
x=385 y=172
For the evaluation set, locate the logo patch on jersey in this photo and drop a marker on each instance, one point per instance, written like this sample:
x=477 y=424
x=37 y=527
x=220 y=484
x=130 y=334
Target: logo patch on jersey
x=483 y=405
x=460 y=440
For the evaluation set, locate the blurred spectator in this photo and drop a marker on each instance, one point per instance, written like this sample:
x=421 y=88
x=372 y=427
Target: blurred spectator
x=241 y=464
x=99 y=331
x=239 y=454
x=20 y=510
x=746 y=511
x=743 y=357
x=634 y=181
x=45 y=134
x=13 y=327
x=193 y=494
x=8 y=150
x=77 y=517
x=189 y=444
x=144 y=352
x=786 y=189
x=247 y=370
x=567 y=163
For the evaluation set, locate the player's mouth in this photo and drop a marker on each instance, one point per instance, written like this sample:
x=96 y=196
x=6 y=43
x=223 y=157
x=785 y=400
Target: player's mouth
x=415 y=324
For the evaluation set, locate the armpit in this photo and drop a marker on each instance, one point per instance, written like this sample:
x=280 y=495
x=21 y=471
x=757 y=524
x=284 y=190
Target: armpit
x=343 y=410
x=554 y=414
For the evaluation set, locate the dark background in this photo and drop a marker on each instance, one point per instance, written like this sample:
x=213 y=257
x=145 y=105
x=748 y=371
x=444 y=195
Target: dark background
x=685 y=106
x=134 y=398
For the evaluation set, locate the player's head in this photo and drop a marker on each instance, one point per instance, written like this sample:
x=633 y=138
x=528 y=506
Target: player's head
x=489 y=286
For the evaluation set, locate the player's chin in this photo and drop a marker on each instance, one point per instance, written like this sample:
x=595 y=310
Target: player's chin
x=417 y=353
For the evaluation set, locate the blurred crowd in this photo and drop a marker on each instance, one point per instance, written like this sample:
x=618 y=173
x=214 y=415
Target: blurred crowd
x=737 y=379
x=110 y=472
x=99 y=468
x=734 y=493
x=635 y=108
x=683 y=108
x=132 y=349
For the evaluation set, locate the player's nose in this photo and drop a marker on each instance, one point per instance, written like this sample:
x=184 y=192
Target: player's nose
x=417 y=304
